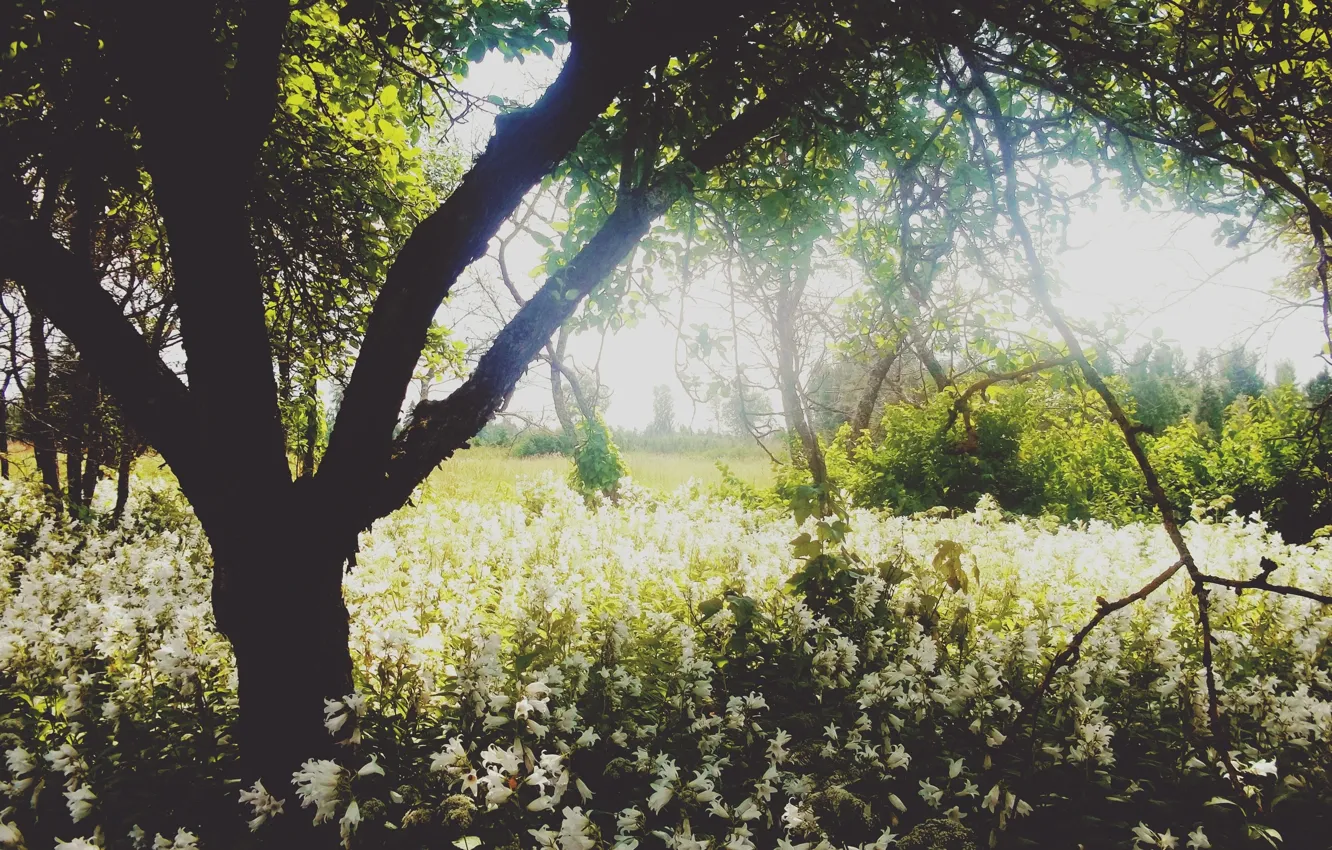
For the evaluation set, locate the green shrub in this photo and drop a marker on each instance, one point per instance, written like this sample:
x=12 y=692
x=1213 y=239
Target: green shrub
x=598 y=466
x=541 y=443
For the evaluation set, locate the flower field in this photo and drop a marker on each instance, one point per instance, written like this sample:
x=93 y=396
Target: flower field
x=541 y=673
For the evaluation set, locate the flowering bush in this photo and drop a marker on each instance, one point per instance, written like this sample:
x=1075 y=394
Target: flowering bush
x=549 y=673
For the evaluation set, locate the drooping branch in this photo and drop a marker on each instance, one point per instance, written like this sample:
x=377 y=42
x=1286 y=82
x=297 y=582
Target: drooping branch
x=1041 y=291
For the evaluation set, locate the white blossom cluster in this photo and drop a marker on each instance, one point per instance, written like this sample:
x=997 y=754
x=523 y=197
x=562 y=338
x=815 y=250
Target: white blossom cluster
x=578 y=676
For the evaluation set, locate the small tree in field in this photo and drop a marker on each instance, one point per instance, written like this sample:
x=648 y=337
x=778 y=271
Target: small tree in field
x=663 y=411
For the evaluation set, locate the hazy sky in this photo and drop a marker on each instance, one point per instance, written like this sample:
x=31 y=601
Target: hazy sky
x=1157 y=270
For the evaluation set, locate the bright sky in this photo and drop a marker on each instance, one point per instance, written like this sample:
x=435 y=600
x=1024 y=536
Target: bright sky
x=1156 y=270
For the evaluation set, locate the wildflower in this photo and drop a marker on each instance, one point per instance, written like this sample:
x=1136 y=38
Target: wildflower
x=992 y=798
x=588 y=738
x=583 y=790
x=350 y=820
x=265 y=805
x=10 y=835
x=1198 y=840
x=318 y=783
x=575 y=830
x=370 y=767
x=1264 y=767
x=80 y=802
x=184 y=840
x=930 y=794
x=19 y=760
x=662 y=793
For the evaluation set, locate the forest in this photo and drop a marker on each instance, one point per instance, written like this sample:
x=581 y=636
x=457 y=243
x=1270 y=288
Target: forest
x=321 y=524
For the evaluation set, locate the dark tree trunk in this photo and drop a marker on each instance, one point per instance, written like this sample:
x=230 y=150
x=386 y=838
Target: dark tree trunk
x=4 y=430
x=124 y=465
x=38 y=406
x=289 y=635
x=92 y=464
x=74 y=470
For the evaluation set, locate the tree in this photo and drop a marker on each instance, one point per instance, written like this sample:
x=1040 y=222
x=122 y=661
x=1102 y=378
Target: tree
x=663 y=411
x=199 y=123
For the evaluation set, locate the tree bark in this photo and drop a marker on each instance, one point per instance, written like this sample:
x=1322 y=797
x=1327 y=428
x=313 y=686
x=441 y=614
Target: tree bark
x=124 y=466
x=4 y=429
x=788 y=372
x=290 y=636
x=38 y=405
x=870 y=397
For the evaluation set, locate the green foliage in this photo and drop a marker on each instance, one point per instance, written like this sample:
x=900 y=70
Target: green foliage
x=541 y=443
x=598 y=466
x=1036 y=448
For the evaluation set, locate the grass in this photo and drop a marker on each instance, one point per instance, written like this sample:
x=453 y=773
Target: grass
x=486 y=472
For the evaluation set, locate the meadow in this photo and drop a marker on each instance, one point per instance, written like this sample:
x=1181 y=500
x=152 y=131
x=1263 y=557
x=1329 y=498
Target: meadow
x=541 y=671
x=485 y=472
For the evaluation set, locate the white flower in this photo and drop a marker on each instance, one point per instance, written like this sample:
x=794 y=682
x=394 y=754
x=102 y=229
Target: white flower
x=265 y=805
x=347 y=824
x=575 y=830
x=80 y=802
x=76 y=844
x=1264 y=767
x=1166 y=841
x=370 y=767
x=897 y=803
x=20 y=761
x=992 y=798
x=318 y=783
x=10 y=835
x=1198 y=840
x=588 y=738
x=662 y=793
x=184 y=840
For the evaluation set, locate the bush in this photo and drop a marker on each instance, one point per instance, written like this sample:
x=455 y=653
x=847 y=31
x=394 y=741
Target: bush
x=541 y=443
x=598 y=466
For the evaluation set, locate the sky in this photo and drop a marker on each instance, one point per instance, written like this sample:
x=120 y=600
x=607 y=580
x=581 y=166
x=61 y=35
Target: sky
x=1159 y=271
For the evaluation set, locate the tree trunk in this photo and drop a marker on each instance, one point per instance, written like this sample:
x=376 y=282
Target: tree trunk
x=277 y=596
x=788 y=376
x=74 y=470
x=926 y=355
x=38 y=406
x=4 y=430
x=92 y=464
x=124 y=466
x=870 y=397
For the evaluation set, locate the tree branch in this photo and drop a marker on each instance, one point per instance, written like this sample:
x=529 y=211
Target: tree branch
x=440 y=428
x=603 y=59
x=68 y=292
